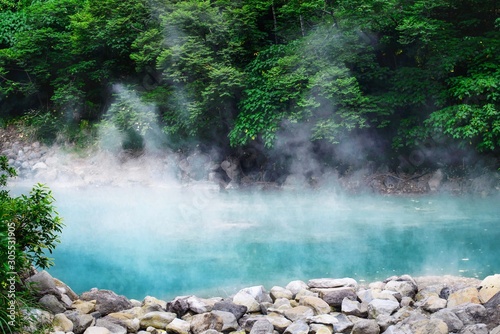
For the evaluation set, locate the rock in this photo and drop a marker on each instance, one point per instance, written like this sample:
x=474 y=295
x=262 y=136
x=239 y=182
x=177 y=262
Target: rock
x=475 y=329
x=228 y=320
x=296 y=286
x=179 y=306
x=279 y=322
x=258 y=292
x=470 y=313
x=298 y=327
x=365 y=295
x=405 y=288
x=495 y=330
x=332 y=283
x=245 y=299
x=157 y=319
x=355 y=308
x=343 y=324
x=262 y=326
x=51 y=303
x=429 y=326
x=228 y=306
x=148 y=300
x=62 y=323
x=493 y=301
x=80 y=321
x=450 y=318
x=84 y=307
x=489 y=287
x=199 y=305
x=112 y=327
x=65 y=290
x=127 y=320
x=43 y=283
x=462 y=296
x=299 y=313
x=178 y=326
x=39 y=165
x=97 y=330
x=305 y=292
x=206 y=321
x=381 y=306
x=317 y=304
x=279 y=292
x=365 y=326
x=334 y=296
x=433 y=303
x=325 y=319
x=320 y=329
x=106 y=301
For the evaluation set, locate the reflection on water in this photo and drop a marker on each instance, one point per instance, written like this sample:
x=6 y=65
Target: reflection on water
x=169 y=242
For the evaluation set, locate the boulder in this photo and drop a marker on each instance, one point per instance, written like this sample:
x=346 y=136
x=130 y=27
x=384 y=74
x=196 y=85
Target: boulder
x=365 y=326
x=65 y=290
x=106 y=301
x=157 y=319
x=97 y=330
x=475 y=329
x=199 y=305
x=297 y=327
x=206 y=321
x=355 y=308
x=470 y=313
x=52 y=304
x=450 y=318
x=178 y=326
x=433 y=303
x=299 y=313
x=43 y=283
x=84 y=307
x=229 y=306
x=179 y=306
x=406 y=288
x=489 y=287
x=258 y=292
x=262 y=326
x=462 y=296
x=280 y=292
x=229 y=322
x=80 y=321
x=381 y=306
x=62 y=323
x=127 y=320
x=324 y=319
x=112 y=327
x=245 y=299
x=325 y=283
x=148 y=300
x=296 y=286
x=320 y=329
x=429 y=326
x=334 y=296
x=317 y=304
x=279 y=322
x=343 y=324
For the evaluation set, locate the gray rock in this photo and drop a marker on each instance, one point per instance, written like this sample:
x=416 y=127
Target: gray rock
x=353 y=307
x=178 y=326
x=279 y=322
x=228 y=320
x=470 y=313
x=43 y=283
x=297 y=327
x=450 y=318
x=405 y=288
x=228 y=306
x=112 y=327
x=475 y=329
x=262 y=326
x=299 y=313
x=433 y=303
x=245 y=299
x=80 y=321
x=334 y=296
x=493 y=301
x=62 y=323
x=280 y=292
x=97 y=330
x=343 y=324
x=365 y=326
x=317 y=304
x=206 y=321
x=156 y=319
x=381 y=306
x=179 y=306
x=198 y=305
x=52 y=304
x=320 y=329
x=495 y=330
x=258 y=292
x=429 y=326
x=106 y=301
x=325 y=283
x=296 y=286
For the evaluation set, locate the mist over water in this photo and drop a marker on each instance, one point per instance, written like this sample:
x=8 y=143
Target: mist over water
x=171 y=241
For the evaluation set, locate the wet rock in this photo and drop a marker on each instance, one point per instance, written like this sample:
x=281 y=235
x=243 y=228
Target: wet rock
x=62 y=323
x=157 y=319
x=52 y=304
x=228 y=306
x=365 y=326
x=381 y=306
x=106 y=301
x=462 y=296
x=334 y=296
x=206 y=321
x=489 y=287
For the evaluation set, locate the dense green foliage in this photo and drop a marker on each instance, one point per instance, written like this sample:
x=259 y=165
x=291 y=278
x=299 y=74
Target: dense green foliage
x=237 y=73
x=29 y=228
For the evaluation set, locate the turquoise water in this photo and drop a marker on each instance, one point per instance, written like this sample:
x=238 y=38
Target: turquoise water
x=169 y=242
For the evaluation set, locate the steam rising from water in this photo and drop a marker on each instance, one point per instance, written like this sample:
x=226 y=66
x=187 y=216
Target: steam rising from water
x=173 y=241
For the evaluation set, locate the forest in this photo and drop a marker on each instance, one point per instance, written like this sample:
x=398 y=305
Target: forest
x=386 y=75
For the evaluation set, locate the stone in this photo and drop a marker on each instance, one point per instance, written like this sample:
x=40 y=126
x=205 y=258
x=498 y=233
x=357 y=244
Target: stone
x=296 y=286
x=297 y=327
x=332 y=283
x=258 y=292
x=317 y=304
x=97 y=330
x=205 y=321
x=157 y=319
x=429 y=326
x=80 y=321
x=433 y=303
x=65 y=290
x=127 y=320
x=179 y=306
x=462 y=296
x=405 y=288
x=279 y=322
x=320 y=329
x=229 y=306
x=325 y=319
x=84 y=307
x=495 y=330
x=381 y=306
x=450 y=318
x=112 y=327
x=343 y=324
x=245 y=299
x=493 y=301
x=365 y=295
x=52 y=304
x=305 y=292
x=280 y=292
x=489 y=287
x=62 y=323
x=39 y=165
x=262 y=326
x=148 y=300
x=199 y=305
x=43 y=283
x=334 y=296
x=299 y=313
x=365 y=326
x=470 y=313
x=355 y=308
x=387 y=295
x=475 y=329
x=228 y=320
x=106 y=301
x=178 y=326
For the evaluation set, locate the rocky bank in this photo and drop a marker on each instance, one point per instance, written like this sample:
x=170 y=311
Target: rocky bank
x=399 y=304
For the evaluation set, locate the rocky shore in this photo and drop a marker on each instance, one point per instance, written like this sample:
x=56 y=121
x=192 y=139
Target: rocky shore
x=399 y=304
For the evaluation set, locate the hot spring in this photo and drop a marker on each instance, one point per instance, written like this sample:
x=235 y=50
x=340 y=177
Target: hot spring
x=166 y=242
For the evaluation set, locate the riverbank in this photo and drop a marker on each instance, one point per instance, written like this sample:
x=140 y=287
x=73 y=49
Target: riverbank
x=56 y=165
x=399 y=304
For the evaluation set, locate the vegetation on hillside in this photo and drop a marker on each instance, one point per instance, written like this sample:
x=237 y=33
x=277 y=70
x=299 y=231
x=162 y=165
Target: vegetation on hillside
x=240 y=73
